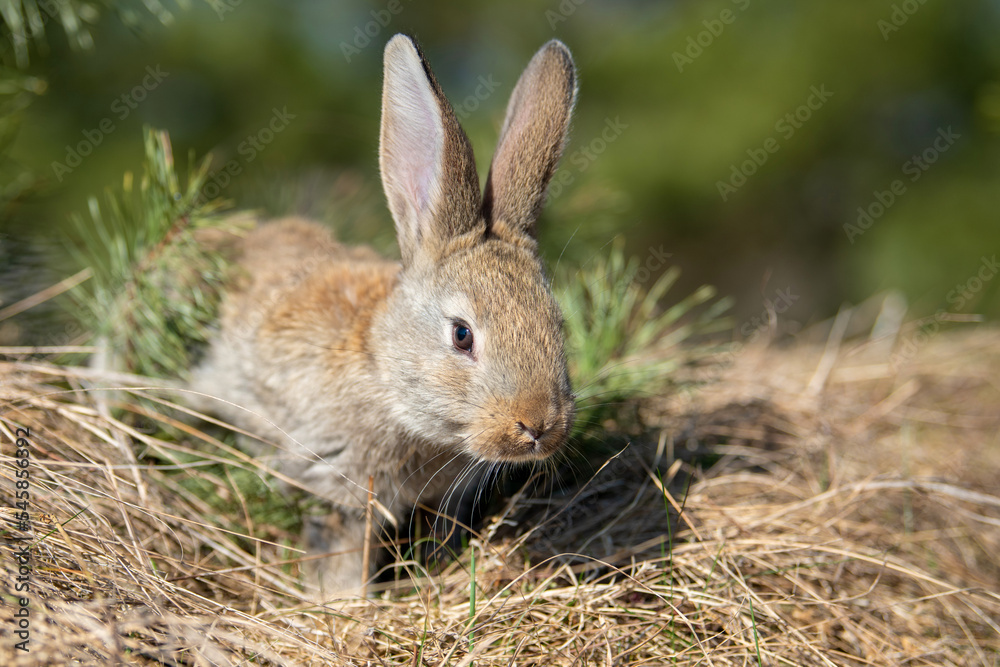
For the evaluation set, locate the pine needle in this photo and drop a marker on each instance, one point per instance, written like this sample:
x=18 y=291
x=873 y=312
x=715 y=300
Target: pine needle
x=156 y=282
x=620 y=344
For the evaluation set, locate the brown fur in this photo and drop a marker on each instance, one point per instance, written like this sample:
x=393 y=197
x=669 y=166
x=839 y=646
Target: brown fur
x=346 y=360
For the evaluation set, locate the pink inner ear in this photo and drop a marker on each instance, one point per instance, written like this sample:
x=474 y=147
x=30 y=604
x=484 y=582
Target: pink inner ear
x=420 y=139
x=414 y=134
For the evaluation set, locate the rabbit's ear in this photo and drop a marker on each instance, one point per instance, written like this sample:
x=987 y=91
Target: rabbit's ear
x=428 y=170
x=531 y=141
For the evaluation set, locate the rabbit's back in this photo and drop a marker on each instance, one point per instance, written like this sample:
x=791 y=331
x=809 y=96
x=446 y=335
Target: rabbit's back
x=292 y=340
x=284 y=256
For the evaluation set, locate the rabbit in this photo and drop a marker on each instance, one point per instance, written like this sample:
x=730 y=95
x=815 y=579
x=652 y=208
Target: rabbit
x=418 y=373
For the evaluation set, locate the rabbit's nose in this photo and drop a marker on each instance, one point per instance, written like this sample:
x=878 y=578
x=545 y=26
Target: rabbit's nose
x=534 y=431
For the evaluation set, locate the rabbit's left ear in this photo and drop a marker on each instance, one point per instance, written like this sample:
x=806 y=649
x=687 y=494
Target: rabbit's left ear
x=531 y=141
x=428 y=170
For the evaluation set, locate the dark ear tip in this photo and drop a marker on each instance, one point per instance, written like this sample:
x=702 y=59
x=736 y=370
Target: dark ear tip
x=558 y=49
x=556 y=55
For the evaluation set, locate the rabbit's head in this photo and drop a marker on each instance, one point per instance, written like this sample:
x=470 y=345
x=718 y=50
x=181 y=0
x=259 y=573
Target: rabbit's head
x=471 y=341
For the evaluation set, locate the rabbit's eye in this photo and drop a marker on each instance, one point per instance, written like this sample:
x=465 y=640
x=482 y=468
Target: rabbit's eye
x=461 y=337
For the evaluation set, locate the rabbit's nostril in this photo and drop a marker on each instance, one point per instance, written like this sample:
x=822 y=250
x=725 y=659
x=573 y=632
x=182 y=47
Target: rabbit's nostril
x=534 y=432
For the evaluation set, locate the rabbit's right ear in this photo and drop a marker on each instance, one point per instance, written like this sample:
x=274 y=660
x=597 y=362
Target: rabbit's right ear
x=428 y=170
x=531 y=141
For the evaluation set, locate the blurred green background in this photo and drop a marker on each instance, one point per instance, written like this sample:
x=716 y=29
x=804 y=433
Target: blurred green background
x=740 y=137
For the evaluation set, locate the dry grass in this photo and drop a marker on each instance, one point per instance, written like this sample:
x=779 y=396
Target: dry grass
x=851 y=517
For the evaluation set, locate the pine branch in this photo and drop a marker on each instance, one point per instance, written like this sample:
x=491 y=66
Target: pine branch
x=621 y=346
x=157 y=280
x=28 y=22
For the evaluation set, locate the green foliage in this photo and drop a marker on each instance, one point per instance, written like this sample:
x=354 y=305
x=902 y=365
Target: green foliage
x=686 y=128
x=621 y=344
x=233 y=489
x=16 y=92
x=25 y=27
x=154 y=290
x=25 y=22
